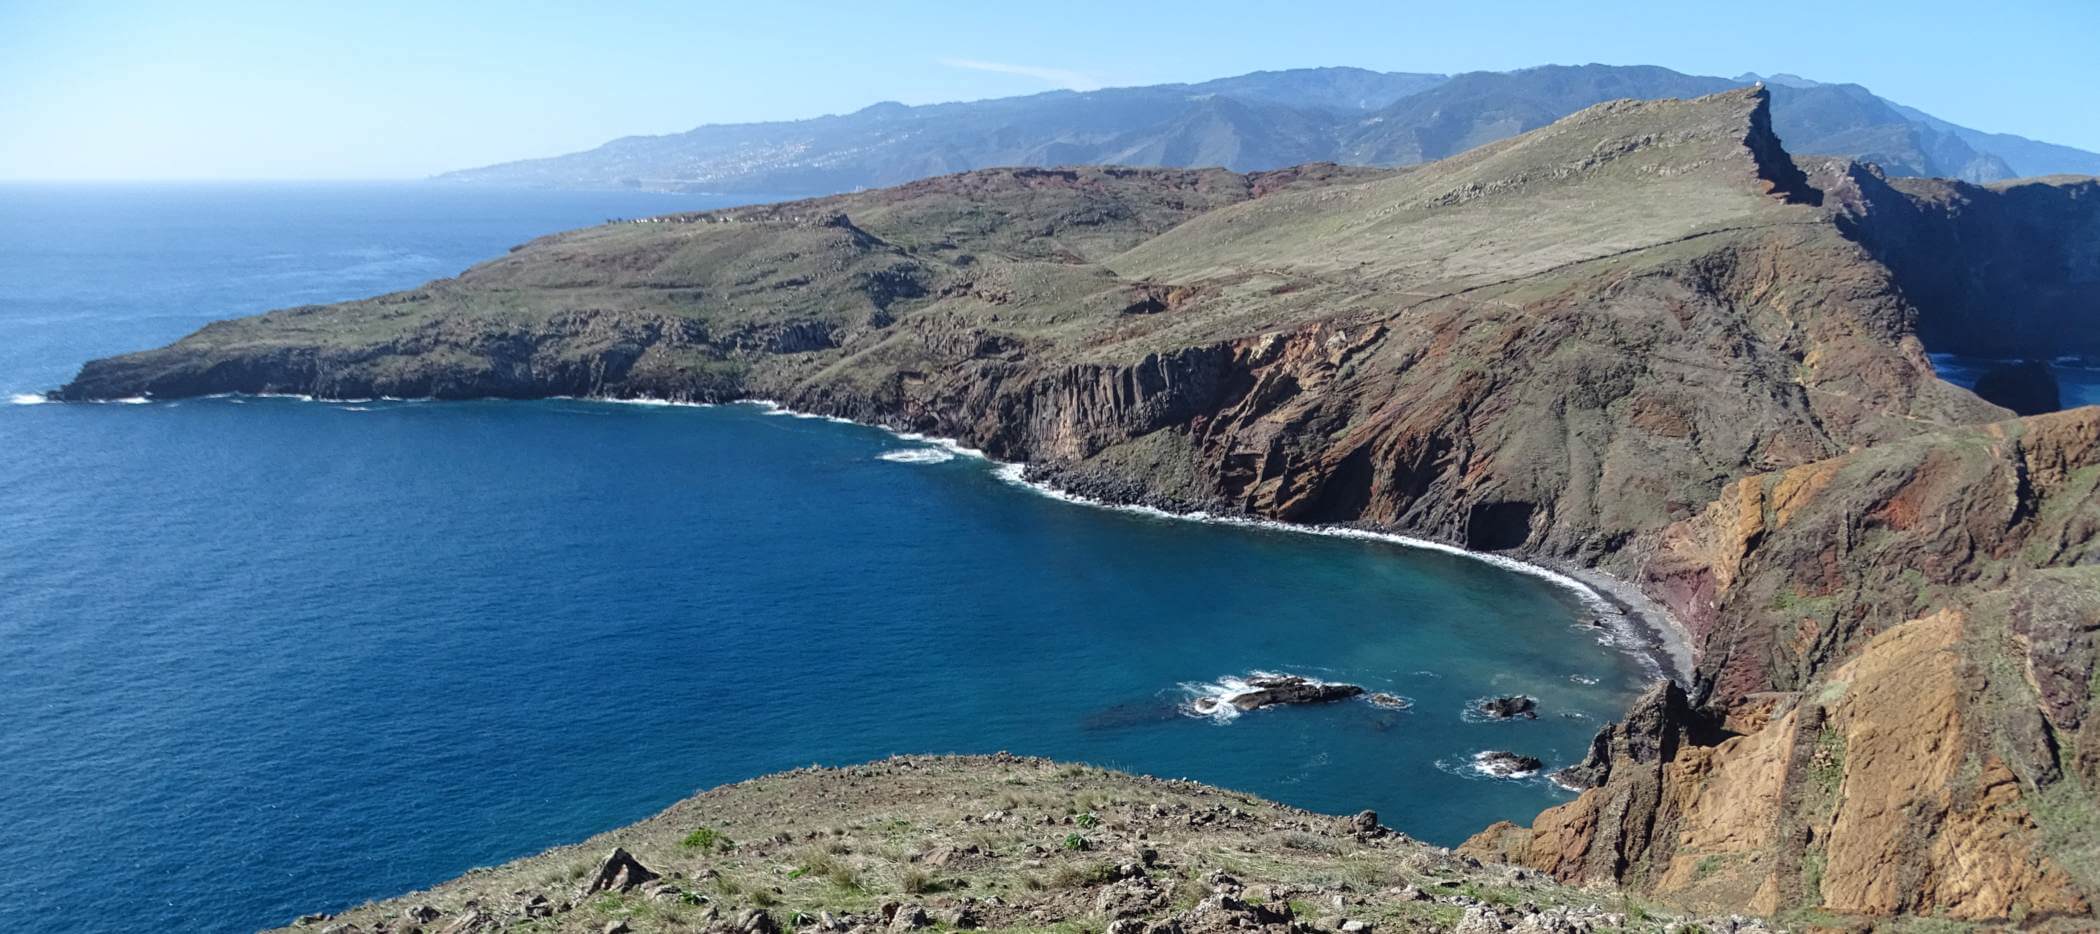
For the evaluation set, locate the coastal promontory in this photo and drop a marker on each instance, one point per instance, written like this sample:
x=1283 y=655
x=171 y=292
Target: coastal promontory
x=1645 y=341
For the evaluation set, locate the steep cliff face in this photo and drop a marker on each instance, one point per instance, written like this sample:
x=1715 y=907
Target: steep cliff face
x=2010 y=269
x=1641 y=339
x=1897 y=643
x=1558 y=343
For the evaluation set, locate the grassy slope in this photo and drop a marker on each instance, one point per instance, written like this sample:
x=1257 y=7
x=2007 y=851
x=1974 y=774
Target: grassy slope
x=1025 y=844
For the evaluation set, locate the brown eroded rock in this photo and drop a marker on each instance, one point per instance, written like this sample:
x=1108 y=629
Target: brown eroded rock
x=1875 y=795
x=1911 y=832
x=1925 y=611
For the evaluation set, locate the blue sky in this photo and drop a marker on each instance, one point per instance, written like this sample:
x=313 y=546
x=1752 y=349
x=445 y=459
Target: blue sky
x=236 y=90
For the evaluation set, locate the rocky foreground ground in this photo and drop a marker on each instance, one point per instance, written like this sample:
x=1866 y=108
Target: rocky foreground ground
x=1001 y=843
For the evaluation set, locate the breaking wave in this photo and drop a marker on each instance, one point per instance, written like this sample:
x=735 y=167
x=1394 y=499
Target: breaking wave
x=1212 y=700
x=1480 y=765
x=918 y=456
x=1474 y=766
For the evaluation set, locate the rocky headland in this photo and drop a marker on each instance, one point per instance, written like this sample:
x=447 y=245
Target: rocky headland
x=1644 y=341
x=1001 y=843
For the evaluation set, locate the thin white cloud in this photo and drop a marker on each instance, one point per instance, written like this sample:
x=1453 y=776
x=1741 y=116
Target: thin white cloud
x=1057 y=77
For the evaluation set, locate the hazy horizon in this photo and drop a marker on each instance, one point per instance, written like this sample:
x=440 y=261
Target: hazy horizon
x=242 y=91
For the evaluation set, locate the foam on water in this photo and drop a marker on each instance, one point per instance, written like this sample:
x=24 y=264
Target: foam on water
x=648 y=401
x=1474 y=766
x=1480 y=765
x=1213 y=700
x=771 y=407
x=27 y=398
x=918 y=456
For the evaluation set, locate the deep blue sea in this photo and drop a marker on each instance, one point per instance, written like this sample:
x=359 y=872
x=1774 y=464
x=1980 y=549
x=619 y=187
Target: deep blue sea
x=260 y=656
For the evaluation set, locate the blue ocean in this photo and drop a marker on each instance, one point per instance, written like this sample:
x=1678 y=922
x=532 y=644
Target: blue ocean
x=261 y=657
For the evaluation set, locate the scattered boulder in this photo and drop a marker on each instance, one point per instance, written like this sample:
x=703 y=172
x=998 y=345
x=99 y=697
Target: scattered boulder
x=1480 y=919
x=909 y=918
x=1226 y=913
x=473 y=921
x=619 y=872
x=1129 y=898
x=1506 y=764
x=757 y=921
x=1365 y=824
x=1511 y=707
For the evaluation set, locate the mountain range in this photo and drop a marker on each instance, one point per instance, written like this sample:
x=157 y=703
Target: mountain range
x=1254 y=122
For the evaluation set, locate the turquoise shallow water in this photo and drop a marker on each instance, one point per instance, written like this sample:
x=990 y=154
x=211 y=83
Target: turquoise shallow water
x=262 y=656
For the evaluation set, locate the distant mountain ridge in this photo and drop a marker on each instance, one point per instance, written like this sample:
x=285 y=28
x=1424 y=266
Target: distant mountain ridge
x=1257 y=121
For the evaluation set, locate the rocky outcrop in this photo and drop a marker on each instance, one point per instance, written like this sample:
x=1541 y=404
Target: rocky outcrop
x=852 y=851
x=619 y=871
x=1785 y=574
x=1388 y=701
x=1274 y=690
x=1501 y=764
x=1892 y=640
x=1510 y=707
x=1611 y=832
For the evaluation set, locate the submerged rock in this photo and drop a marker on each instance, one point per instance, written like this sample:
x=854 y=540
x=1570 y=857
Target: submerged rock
x=1388 y=701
